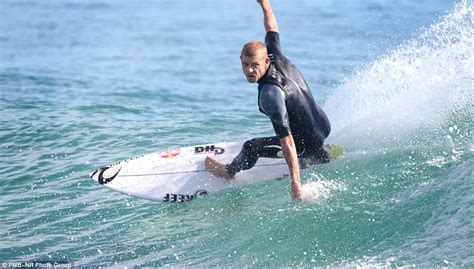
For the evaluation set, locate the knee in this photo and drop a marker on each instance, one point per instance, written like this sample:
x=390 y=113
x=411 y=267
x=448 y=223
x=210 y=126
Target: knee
x=250 y=145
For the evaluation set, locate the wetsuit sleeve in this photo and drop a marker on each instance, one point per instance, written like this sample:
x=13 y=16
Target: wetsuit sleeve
x=272 y=103
x=272 y=41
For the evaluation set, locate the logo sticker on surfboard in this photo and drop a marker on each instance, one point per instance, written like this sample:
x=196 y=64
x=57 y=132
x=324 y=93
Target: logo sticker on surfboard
x=170 y=154
x=178 y=198
x=101 y=178
x=208 y=149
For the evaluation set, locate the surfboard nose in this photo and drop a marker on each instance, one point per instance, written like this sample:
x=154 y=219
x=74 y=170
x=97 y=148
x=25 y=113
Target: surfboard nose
x=95 y=174
x=104 y=175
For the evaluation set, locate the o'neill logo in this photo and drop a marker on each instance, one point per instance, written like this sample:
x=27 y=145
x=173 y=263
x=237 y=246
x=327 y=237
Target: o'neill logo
x=209 y=148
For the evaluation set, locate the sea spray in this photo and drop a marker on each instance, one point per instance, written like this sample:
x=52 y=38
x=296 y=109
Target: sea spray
x=416 y=106
x=320 y=188
x=421 y=87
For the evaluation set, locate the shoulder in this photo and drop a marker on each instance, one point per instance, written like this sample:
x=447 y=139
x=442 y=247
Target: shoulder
x=271 y=92
x=272 y=99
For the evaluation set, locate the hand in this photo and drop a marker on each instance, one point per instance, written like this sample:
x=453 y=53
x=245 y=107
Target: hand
x=296 y=189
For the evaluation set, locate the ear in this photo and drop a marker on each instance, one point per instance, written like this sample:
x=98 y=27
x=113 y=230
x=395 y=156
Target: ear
x=267 y=62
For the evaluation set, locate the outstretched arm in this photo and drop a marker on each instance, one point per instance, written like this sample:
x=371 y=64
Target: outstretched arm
x=269 y=20
x=291 y=157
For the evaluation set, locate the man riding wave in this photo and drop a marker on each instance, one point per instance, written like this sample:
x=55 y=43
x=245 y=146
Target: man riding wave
x=300 y=125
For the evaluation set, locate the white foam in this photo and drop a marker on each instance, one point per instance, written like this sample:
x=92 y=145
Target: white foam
x=437 y=161
x=416 y=87
x=320 y=188
x=426 y=84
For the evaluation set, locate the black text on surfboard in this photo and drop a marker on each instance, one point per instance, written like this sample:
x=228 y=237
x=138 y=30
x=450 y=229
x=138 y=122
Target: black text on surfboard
x=209 y=148
x=177 y=198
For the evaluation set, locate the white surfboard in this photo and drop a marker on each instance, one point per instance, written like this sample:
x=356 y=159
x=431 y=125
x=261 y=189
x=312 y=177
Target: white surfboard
x=179 y=175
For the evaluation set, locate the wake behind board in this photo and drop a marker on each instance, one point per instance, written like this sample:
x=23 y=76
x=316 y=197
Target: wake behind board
x=179 y=175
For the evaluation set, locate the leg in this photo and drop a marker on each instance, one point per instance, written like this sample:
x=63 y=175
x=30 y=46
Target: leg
x=315 y=153
x=268 y=147
x=216 y=168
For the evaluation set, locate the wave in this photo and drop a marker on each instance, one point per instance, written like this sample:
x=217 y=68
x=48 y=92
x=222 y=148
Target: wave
x=421 y=92
x=416 y=104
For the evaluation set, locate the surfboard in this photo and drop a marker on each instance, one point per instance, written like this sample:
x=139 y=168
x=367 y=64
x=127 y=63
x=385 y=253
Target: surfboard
x=179 y=175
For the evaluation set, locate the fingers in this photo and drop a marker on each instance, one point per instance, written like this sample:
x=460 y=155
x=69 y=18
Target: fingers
x=295 y=197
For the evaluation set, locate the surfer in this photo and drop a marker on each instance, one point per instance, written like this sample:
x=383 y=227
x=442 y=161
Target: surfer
x=299 y=123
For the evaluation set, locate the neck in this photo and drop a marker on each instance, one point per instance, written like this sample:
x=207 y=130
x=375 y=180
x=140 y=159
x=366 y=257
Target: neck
x=267 y=70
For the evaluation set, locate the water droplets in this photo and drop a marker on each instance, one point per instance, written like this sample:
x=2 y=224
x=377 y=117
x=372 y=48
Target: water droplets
x=321 y=188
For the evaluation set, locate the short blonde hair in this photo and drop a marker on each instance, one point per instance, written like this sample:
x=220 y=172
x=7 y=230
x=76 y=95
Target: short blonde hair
x=254 y=48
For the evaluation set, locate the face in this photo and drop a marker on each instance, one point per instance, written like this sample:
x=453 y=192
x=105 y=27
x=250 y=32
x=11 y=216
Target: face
x=254 y=67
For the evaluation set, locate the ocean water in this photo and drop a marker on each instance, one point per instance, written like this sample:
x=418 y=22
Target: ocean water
x=88 y=83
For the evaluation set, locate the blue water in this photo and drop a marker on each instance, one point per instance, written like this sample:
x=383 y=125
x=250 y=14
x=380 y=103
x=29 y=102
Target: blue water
x=88 y=83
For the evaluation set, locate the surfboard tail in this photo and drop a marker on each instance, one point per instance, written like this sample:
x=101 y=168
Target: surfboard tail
x=334 y=151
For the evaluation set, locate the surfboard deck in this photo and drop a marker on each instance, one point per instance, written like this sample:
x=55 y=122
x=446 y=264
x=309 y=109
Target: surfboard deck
x=179 y=175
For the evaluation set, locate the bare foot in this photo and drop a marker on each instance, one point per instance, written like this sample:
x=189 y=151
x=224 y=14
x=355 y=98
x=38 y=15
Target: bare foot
x=216 y=168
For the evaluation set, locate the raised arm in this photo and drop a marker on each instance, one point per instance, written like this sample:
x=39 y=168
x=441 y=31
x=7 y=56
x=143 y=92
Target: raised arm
x=269 y=20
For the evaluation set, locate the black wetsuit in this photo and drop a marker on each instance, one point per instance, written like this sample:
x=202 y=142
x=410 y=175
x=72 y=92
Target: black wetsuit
x=284 y=96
